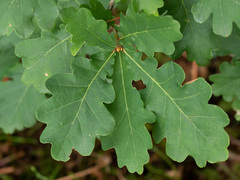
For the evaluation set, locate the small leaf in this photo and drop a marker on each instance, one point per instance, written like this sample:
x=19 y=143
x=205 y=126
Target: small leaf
x=149 y=7
x=225 y=12
x=130 y=137
x=190 y=125
x=43 y=57
x=149 y=33
x=76 y=114
x=198 y=39
x=227 y=83
x=18 y=103
x=84 y=28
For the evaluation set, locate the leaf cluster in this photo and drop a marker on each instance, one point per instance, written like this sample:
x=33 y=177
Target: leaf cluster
x=73 y=51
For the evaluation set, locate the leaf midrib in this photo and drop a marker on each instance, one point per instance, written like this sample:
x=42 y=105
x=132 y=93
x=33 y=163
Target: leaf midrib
x=163 y=92
x=82 y=100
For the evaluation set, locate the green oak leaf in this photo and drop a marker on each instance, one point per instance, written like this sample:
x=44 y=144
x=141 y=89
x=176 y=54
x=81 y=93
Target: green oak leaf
x=18 y=102
x=190 y=125
x=227 y=83
x=231 y=44
x=225 y=12
x=198 y=39
x=45 y=56
x=149 y=7
x=46 y=13
x=98 y=11
x=149 y=33
x=85 y=29
x=130 y=137
x=71 y=3
x=18 y=15
x=76 y=114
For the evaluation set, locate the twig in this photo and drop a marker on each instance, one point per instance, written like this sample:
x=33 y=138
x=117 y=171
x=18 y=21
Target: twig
x=194 y=71
x=113 y=19
x=7 y=170
x=234 y=141
x=106 y=160
x=234 y=156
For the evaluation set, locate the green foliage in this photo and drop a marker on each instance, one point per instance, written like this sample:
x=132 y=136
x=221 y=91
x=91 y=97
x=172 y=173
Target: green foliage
x=44 y=57
x=227 y=84
x=149 y=33
x=231 y=45
x=73 y=51
x=77 y=107
x=130 y=137
x=195 y=35
x=183 y=115
x=17 y=15
x=18 y=102
x=225 y=12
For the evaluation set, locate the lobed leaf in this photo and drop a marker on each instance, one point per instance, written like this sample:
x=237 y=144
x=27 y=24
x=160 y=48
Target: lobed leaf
x=45 y=56
x=225 y=12
x=149 y=33
x=190 y=125
x=130 y=137
x=149 y=7
x=18 y=15
x=198 y=39
x=227 y=83
x=18 y=103
x=85 y=29
x=76 y=114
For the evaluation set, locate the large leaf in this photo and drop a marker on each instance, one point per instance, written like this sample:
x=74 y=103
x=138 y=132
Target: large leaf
x=75 y=114
x=198 y=39
x=225 y=12
x=227 y=83
x=45 y=56
x=130 y=137
x=190 y=125
x=150 y=6
x=18 y=15
x=149 y=33
x=85 y=29
x=18 y=103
